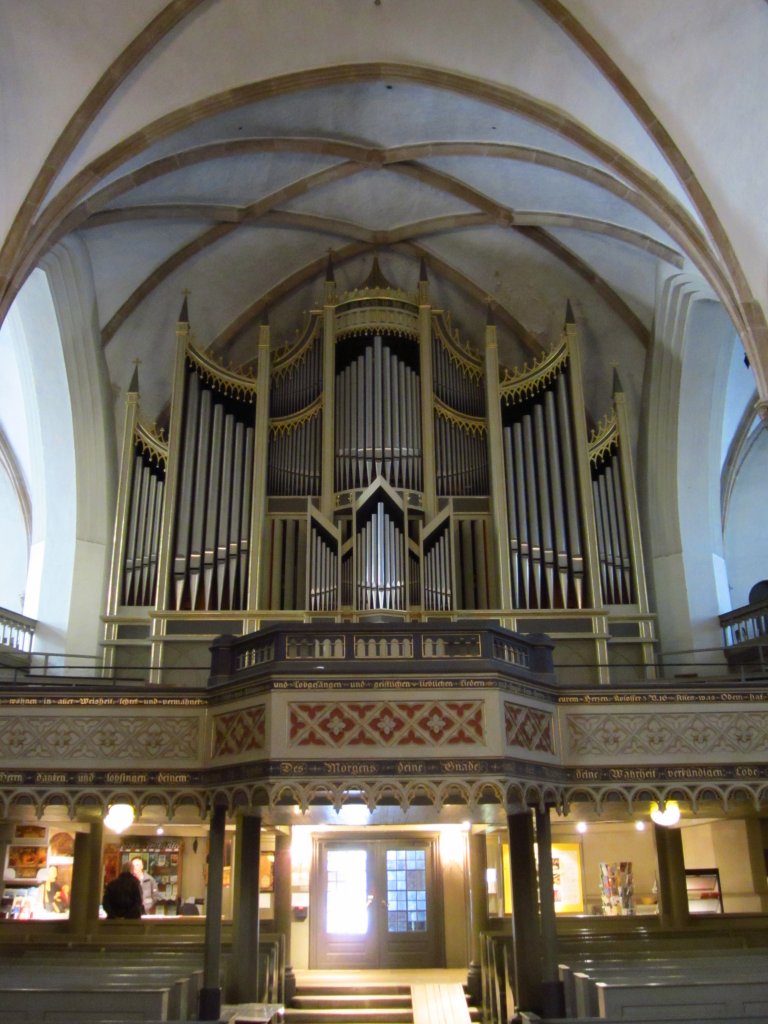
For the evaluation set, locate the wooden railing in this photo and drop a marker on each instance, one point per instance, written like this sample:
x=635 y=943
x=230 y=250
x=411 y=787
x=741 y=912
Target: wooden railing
x=745 y=633
x=16 y=635
x=497 y=973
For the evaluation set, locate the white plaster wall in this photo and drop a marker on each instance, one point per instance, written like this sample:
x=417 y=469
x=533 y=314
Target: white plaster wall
x=746 y=538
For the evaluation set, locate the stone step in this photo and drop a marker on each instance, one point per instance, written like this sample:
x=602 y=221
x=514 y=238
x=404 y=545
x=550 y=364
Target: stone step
x=345 y=989
x=328 y=1000
x=349 y=1014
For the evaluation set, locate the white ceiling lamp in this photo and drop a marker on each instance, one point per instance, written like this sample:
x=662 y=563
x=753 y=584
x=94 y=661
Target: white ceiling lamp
x=667 y=817
x=119 y=817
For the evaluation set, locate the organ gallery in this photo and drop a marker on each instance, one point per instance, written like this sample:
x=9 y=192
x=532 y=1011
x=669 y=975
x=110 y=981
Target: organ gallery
x=378 y=466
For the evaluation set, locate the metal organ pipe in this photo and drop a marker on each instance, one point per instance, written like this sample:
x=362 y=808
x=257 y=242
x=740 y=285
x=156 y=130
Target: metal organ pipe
x=522 y=512
x=225 y=497
x=234 y=511
x=149 y=510
x=214 y=483
x=514 y=530
x=137 y=483
x=571 y=497
x=532 y=509
x=614 y=477
x=245 y=521
x=558 y=518
x=601 y=545
x=545 y=466
x=196 y=539
x=378 y=426
x=181 y=545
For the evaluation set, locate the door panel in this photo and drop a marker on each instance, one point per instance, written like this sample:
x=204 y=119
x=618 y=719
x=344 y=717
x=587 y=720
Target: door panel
x=376 y=905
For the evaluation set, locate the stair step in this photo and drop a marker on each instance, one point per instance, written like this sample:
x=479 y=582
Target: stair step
x=343 y=1000
x=346 y=1015
x=373 y=989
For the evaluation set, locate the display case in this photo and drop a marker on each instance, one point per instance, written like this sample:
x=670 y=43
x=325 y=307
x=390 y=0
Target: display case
x=37 y=875
x=163 y=858
x=704 y=893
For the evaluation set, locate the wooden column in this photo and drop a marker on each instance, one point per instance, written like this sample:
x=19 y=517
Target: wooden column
x=210 y=994
x=673 y=896
x=283 y=908
x=552 y=996
x=243 y=982
x=87 y=880
x=526 y=934
x=478 y=912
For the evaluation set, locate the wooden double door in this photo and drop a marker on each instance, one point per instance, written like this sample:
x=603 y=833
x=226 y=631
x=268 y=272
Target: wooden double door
x=376 y=904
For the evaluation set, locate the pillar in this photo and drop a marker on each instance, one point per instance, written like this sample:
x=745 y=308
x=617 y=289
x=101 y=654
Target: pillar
x=243 y=981
x=526 y=936
x=6 y=835
x=87 y=880
x=552 y=995
x=284 y=909
x=478 y=913
x=210 y=994
x=673 y=896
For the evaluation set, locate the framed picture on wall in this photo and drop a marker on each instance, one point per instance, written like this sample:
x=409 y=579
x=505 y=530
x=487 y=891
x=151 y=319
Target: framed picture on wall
x=566 y=877
x=26 y=861
x=30 y=833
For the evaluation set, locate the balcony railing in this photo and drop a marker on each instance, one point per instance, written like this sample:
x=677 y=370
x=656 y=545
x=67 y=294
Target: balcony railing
x=745 y=633
x=299 y=647
x=16 y=635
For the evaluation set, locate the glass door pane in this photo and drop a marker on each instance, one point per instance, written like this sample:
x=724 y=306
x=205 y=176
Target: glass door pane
x=406 y=891
x=346 y=897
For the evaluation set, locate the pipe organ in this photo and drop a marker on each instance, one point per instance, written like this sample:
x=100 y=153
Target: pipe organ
x=541 y=464
x=378 y=415
x=145 y=506
x=613 y=527
x=359 y=473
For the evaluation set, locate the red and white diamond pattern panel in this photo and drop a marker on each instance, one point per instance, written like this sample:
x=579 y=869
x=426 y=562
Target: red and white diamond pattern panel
x=240 y=731
x=527 y=728
x=386 y=723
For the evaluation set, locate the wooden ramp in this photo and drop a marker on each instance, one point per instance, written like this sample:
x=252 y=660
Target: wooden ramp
x=439 y=1004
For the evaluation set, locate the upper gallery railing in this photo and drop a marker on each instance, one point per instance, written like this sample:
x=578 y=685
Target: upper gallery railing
x=345 y=646
x=16 y=635
x=745 y=632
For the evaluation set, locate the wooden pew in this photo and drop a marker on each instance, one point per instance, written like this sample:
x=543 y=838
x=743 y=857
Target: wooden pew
x=30 y=1004
x=182 y=996
x=684 y=999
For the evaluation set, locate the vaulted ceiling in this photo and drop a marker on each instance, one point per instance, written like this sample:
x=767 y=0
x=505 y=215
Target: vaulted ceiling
x=530 y=152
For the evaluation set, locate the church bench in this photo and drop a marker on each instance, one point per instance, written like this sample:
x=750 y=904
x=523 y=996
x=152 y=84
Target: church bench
x=183 y=990
x=588 y=987
x=683 y=999
x=579 y=978
x=95 y=1003
x=527 y=1017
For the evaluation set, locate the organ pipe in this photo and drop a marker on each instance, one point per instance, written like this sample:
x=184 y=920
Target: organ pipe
x=611 y=520
x=143 y=522
x=211 y=541
x=332 y=476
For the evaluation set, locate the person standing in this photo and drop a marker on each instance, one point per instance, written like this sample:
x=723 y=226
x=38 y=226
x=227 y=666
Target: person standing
x=122 y=896
x=149 y=890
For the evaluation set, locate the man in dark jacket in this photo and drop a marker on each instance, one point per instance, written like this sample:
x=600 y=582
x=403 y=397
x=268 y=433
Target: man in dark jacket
x=122 y=896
